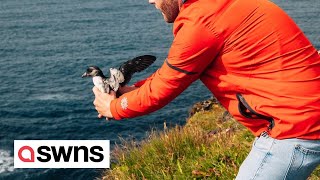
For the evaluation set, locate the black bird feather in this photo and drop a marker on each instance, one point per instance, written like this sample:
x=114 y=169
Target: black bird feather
x=137 y=64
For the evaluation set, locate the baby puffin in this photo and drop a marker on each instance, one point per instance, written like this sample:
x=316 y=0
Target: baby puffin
x=118 y=77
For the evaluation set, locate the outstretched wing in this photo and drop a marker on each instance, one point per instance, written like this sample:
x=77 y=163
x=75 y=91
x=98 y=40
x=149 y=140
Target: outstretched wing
x=134 y=65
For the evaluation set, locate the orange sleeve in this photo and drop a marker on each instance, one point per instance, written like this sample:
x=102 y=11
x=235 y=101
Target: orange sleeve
x=141 y=82
x=194 y=47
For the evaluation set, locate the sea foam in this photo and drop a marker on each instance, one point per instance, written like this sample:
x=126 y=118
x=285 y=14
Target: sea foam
x=6 y=161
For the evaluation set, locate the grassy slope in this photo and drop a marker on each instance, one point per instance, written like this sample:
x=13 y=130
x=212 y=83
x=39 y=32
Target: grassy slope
x=211 y=145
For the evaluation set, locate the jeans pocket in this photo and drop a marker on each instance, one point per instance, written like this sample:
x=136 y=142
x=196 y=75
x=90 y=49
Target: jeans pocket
x=307 y=150
x=304 y=160
x=263 y=143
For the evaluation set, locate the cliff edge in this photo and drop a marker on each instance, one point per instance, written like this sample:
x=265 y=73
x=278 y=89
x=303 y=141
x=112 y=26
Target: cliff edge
x=212 y=145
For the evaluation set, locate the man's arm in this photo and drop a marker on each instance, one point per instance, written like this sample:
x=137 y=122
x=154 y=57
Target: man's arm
x=193 y=49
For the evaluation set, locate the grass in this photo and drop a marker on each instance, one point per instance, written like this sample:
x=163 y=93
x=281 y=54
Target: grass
x=212 y=145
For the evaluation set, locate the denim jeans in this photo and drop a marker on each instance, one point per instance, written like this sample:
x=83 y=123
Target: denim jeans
x=287 y=159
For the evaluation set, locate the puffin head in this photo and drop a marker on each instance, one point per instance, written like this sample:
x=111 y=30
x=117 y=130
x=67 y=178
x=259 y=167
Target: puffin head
x=92 y=71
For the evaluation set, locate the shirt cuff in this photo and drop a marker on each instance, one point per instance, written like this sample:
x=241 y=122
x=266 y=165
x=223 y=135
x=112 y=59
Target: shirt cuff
x=113 y=109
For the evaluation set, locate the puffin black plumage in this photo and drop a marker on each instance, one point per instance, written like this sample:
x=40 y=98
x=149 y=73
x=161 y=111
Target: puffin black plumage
x=118 y=77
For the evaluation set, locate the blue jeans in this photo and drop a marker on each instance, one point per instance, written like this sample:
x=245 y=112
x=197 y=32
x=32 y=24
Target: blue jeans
x=287 y=159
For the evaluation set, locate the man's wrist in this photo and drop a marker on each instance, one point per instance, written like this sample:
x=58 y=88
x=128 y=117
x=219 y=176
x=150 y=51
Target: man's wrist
x=113 y=109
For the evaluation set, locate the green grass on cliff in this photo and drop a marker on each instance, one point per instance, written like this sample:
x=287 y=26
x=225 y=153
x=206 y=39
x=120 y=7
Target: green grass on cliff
x=211 y=145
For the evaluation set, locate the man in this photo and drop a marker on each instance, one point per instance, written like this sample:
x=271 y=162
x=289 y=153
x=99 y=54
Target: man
x=256 y=62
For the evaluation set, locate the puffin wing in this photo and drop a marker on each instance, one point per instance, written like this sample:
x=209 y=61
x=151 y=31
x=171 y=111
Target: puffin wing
x=116 y=78
x=134 y=65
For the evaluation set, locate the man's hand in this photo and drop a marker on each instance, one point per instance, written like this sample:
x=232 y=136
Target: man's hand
x=102 y=102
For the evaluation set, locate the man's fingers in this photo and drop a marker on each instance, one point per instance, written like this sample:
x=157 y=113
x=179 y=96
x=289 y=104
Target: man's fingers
x=102 y=102
x=101 y=116
x=95 y=90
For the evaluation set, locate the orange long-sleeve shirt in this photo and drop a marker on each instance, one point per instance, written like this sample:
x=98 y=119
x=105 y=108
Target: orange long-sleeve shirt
x=251 y=56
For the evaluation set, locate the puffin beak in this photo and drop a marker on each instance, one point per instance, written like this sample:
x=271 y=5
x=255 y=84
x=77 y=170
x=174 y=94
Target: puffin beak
x=84 y=75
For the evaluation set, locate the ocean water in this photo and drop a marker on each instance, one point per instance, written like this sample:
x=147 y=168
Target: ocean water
x=45 y=47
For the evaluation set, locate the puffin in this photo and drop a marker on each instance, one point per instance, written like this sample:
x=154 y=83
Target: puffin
x=118 y=77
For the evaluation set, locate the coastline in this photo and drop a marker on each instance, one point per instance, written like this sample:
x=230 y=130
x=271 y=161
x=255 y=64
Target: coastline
x=212 y=145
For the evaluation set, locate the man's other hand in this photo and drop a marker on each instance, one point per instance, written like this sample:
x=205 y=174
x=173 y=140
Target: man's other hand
x=102 y=102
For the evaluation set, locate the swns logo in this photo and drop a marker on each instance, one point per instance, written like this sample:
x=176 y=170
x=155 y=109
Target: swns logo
x=61 y=154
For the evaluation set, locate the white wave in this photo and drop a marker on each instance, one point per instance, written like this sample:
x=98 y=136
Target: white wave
x=55 y=97
x=6 y=161
x=51 y=97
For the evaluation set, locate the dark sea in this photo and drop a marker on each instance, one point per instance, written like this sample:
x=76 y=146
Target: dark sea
x=45 y=47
